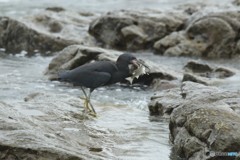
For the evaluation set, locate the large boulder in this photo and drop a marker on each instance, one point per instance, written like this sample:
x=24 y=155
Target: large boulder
x=203 y=120
x=77 y=55
x=45 y=126
x=45 y=32
x=134 y=30
x=210 y=35
x=16 y=37
x=58 y=22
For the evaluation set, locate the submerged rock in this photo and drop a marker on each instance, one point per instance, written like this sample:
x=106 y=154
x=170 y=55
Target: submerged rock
x=203 y=119
x=134 y=30
x=77 y=55
x=16 y=37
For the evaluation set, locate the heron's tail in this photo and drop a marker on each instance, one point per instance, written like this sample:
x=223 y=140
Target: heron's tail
x=63 y=76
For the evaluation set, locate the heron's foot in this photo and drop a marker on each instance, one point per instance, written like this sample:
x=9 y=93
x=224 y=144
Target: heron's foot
x=88 y=107
x=94 y=114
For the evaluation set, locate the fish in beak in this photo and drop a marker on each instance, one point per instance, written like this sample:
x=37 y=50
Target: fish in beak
x=137 y=69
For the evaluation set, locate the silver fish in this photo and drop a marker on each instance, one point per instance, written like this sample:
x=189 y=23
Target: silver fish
x=141 y=70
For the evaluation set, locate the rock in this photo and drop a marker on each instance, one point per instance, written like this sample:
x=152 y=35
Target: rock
x=16 y=36
x=222 y=72
x=47 y=126
x=204 y=73
x=203 y=121
x=46 y=31
x=55 y=9
x=135 y=37
x=197 y=67
x=55 y=27
x=236 y=2
x=134 y=30
x=195 y=78
x=176 y=44
x=65 y=24
x=77 y=55
x=201 y=38
x=159 y=84
x=191 y=8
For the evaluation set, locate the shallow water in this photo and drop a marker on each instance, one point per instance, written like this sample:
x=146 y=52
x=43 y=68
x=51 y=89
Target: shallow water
x=123 y=113
x=23 y=7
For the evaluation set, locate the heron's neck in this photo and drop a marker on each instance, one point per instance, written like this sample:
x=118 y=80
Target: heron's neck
x=122 y=67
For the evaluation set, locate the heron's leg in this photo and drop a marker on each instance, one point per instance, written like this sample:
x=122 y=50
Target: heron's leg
x=85 y=103
x=93 y=110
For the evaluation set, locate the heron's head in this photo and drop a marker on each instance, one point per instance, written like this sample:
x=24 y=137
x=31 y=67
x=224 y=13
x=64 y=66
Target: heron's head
x=127 y=61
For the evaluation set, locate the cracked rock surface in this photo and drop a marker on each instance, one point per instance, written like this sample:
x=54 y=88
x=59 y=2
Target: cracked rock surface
x=205 y=119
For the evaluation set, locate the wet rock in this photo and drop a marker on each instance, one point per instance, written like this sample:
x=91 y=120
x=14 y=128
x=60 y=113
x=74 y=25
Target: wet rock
x=191 y=8
x=197 y=67
x=202 y=122
x=134 y=30
x=65 y=24
x=176 y=44
x=201 y=38
x=159 y=84
x=55 y=9
x=46 y=31
x=222 y=72
x=55 y=27
x=204 y=73
x=77 y=55
x=45 y=127
x=16 y=36
x=195 y=78
x=236 y=2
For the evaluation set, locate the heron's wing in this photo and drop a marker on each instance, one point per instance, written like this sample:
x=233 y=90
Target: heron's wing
x=90 y=79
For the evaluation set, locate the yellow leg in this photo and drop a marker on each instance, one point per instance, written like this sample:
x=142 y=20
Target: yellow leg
x=88 y=108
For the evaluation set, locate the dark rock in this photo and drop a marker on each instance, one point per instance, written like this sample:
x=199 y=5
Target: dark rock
x=55 y=26
x=222 y=72
x=194 y=78
x=67 y=25
x=16 y=36
x=107 y=30
x=196 y=67
x=176 y=44
x=203 y=122
x=202 y=39
x=191 y=8
x=203 y=73
x=55 y=9
x=134 y=30
x=77 y=55
x=236 y=2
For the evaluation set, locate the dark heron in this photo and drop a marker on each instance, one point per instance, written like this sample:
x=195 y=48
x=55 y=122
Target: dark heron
x=100 y=73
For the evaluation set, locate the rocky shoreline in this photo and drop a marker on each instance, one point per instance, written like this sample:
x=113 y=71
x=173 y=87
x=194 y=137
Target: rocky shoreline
x=203 y=118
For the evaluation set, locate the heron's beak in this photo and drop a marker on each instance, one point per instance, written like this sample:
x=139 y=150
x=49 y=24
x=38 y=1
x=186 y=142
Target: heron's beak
x=135 y=63
x=138 y=62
